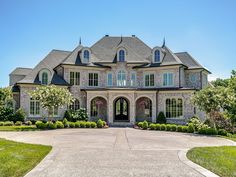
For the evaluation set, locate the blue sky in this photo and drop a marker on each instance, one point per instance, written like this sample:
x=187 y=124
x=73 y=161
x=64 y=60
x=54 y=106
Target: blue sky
x=204 y=28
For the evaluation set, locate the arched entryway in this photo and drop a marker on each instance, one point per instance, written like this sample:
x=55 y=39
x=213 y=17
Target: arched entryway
x=143 y=109
x=98 y=108
x=121 y=110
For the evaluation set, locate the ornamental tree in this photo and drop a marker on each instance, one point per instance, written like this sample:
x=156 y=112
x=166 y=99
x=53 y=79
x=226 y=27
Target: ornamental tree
x=5 y=96
x=51 y=97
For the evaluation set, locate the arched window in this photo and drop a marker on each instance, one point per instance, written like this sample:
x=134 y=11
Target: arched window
x=75 y=105
x=157 y=56
x=86 y=55
x=44 y=78
x=174 y=107
x=98 y=108
x=121 y=78
x=121 y=56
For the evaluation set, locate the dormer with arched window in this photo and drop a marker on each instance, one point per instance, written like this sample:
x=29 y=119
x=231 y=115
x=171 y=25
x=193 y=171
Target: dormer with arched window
x=157 y=55
x=86 y=55
x=121 y=55
x=45 y=76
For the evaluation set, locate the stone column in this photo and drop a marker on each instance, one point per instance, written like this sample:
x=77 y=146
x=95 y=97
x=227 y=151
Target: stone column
x=154 y=108
x=110 y=108
x=132 y=108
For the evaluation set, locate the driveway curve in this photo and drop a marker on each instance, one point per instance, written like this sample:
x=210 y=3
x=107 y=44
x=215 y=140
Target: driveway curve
x=114 y=152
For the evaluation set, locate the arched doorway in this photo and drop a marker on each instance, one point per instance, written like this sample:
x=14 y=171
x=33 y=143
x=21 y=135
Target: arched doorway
x=98 y=109
x=121 y=109
x=143 y=109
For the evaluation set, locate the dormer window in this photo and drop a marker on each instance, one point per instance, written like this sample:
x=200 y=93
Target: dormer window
x=86 y=55
x=157 y=56
x=121 y=55
x=45 y=78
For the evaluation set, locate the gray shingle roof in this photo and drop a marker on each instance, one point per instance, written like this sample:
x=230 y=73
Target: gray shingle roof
x=53 y=59
x=21 y=71
x=106 y=48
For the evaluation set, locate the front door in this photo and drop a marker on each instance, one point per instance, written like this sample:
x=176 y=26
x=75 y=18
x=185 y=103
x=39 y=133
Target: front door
x=121 y=109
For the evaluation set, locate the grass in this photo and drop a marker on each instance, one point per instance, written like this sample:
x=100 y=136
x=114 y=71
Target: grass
x=18 y=128
x=16 y=159
x=231 y=137
x=220 y=160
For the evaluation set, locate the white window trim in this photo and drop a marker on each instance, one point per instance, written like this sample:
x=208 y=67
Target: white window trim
x=75 y=77
x=135 y=81
x=82 y=55
x=34 y=115
x=149 y=73
x=111 y=79
x=176 y=97
x=45 y=70
x=153 y=54
x=167 y=79
x=94 y=72
x=125 y=78
x=118 y=55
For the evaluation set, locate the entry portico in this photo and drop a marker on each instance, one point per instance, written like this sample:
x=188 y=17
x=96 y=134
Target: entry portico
x=129 y=107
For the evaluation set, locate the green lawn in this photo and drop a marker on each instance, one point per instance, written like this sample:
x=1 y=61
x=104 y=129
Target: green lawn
x=16 y=159
x=18 y=128
x=232 y=137
x=220 y=160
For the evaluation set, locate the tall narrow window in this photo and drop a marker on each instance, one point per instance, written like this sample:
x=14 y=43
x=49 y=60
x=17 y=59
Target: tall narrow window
x=34 y=107
x=86 y=56
x=93 y=79
x=133 y=79
x=168 y=79
x=53 y=112
x=157 y=56
x=149 y=80
x=75 y=105
x=74 y=78
x=121 y=78
x=121 y=56
x=45 y=78
x=174 y=107
x=109 y=79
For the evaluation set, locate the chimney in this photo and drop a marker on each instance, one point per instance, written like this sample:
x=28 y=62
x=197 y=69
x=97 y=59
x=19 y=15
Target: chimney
x=133 y=35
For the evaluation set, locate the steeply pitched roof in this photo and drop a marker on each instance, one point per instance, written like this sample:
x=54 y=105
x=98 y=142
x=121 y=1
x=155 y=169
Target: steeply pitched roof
x=54 y=58
x=106 y=48
x=189 y=61
x=21 y=71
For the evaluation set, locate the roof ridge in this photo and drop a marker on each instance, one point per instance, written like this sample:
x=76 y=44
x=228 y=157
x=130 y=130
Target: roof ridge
x=60 y=50
x=173 y=54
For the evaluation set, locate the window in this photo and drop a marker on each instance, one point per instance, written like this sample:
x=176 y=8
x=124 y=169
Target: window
x=168 y=79
x=34 y=107
x=133 y=79
x=109 y=79
x=121 y=78
x=121 y=56
x=93 y=79
x=174 y=107
x=53 y=112
x=86 y=55
x=45 y=78
x=75 y=105
x=157 y=56
x=192 y=78
x=149 y=80
x=74 y=78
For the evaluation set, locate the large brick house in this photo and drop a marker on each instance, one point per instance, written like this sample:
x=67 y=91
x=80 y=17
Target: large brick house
x=118 y=79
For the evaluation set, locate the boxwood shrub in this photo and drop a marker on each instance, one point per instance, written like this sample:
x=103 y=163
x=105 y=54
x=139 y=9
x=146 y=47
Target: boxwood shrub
x=8 y=123
x=173 y=128
x=158 y=127
x=168 y=127
x=145 y=125
x=222 y=132
x=77 y=124
x=211 y=131
x=1 y=123
x=51 y=125
x=59 y=124
x=88 y=124
x=71 y=124
x=140 y=124
x=184 y=128
x=82 y=124
x=100 y=123
x=40 y=125
x=18 y=123
x=163 y=127
x=179 y=128
x=93 y=125
x=190 y=128
x=152 y=126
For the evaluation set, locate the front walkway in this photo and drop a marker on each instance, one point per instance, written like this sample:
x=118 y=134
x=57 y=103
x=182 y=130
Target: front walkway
x=113 y=152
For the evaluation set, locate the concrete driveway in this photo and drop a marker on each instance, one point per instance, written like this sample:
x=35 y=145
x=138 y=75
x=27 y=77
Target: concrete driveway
x=113 y=152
